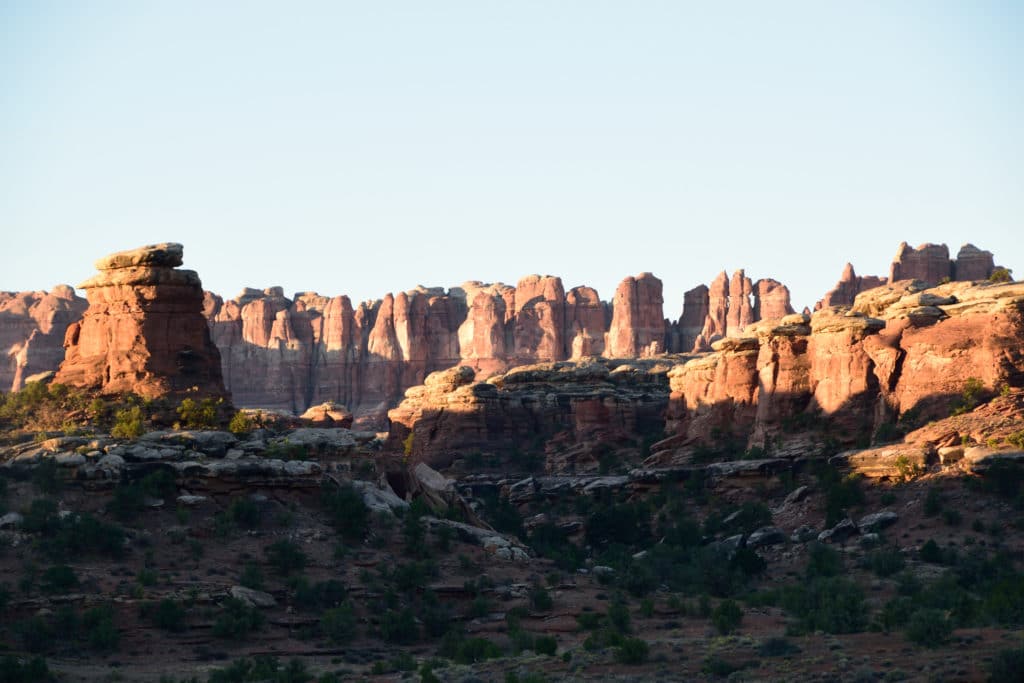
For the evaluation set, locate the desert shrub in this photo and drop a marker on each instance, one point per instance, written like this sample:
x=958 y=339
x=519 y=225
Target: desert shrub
x=244 y=512
x=101 y=633
x=338 y=624
x=167 y=615
x=1006 y=665
x=33 y=670
x=198 y=415
x=345 y=510
x=503 y=516
x=399 y=627
x=320 y=595
x=241 y=423
x=833 y=605
x=970 y=397
x=1001 y=275
x=36 y=634
x=473 y=650
x=540 y=598
x=46 y=477
x=932 y=502
x=285 y=556
x=929 y=627
x=632 y=651
x=129 y=423
x=58 y=578
x=626 y=525
x=72 y=535
x=548 y=541
x=907 y=470
x=261 y=669
x=545 y=645
x=727 y=617
x=753 y=514
x=823 y=561
x=931 y=552
x=251 y=576
x=236 y=620
x=777 y=647
x=885 y=562
x=887 y=432
x=841 y=493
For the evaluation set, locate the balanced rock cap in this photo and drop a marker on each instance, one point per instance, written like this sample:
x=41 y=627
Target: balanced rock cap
x=165 y=255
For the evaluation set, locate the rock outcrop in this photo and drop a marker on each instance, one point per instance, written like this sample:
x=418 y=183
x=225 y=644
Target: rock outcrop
x=144 y=330
x=638 y=323
x=930 y=263
x=567 y=414
x=290 y=354
x=901 y=349
x=32 y=327
x=848 y=287
x=727 y=308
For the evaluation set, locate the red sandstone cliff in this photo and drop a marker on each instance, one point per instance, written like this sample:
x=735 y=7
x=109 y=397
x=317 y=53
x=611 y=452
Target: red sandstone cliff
x=144 y=330
x=32 y=326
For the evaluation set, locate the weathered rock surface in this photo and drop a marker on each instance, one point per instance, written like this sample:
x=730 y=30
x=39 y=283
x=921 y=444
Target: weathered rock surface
x=848 y=287
x=727 y=308
x=901 y=348
x=32 y=326
x=638 y=324
x=931 y=264
x=144 y=330
x=566 y=412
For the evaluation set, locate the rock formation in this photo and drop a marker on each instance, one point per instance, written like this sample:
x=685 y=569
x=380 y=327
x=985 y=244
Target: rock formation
x=848 y=287
x=930 y=263
x=638 y=322
x=32 y=326
x=144 y=330
x=568 y=413
x=727 y=308
x=901 y=350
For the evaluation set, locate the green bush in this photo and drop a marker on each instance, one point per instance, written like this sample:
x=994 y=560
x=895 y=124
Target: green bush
x=929 y=627
x=1001 y=275
x=345 y=510
x=727 y=617
x=399 y=627
x=199 y=415
x=1006 y=665
x=320 y=595
x=777 y=647
x=823 y=561
x=237 y=620
x=241 y=424
x=833 y=605
x=338 y=625
x=128 y=423
x=101 y=633
x=970 y=398
x=36 y=633
x=59 y=578
x=627 y=525
x=262 y=669
x=540 y=599
x=168 y=615
x=33 y=670
x=474 y=650
x=886 y=561
x=545 y=645
x=285 y=556
x=632 y=651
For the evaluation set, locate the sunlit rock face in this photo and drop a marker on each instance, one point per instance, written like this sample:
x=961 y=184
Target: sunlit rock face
x=144 y=330
x=901 y=349
x=32 y=326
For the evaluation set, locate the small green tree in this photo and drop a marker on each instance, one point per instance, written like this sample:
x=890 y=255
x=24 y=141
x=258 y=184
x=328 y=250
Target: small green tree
x=128 y=423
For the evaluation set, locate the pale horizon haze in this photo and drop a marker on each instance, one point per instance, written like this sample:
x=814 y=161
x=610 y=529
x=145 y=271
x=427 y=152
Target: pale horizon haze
x=365 y=148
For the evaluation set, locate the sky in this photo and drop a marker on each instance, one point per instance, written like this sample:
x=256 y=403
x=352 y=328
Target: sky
x=362 y=148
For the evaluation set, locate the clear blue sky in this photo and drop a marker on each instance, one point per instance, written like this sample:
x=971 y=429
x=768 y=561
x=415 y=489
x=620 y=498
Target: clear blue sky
x=366 y=147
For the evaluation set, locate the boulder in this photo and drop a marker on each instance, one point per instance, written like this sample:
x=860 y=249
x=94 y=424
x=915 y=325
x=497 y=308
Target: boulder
x=840 y=533
x=252 y=597
x=877 y=521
